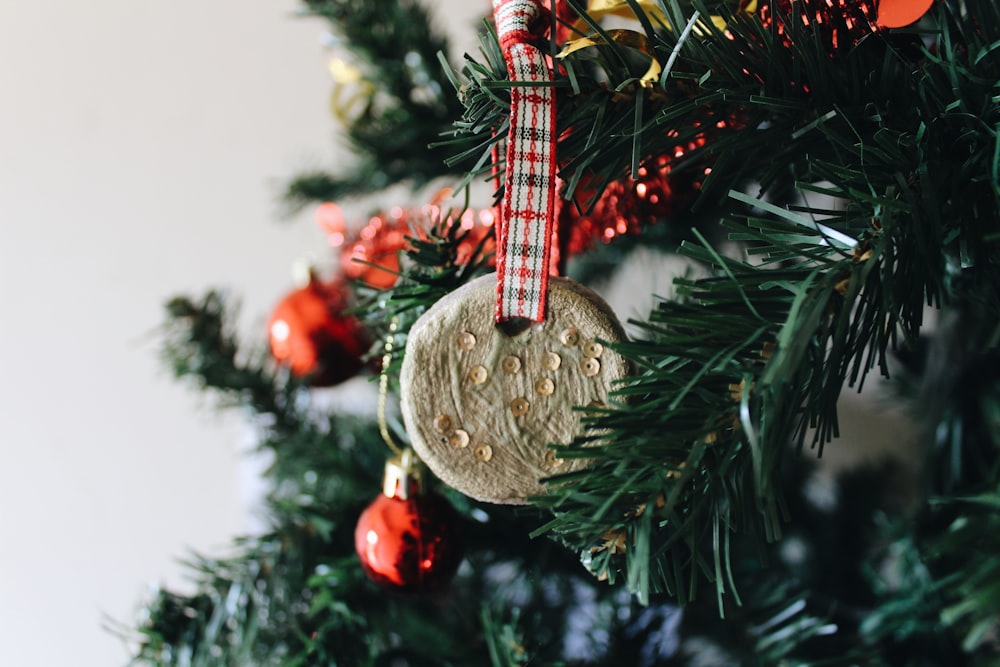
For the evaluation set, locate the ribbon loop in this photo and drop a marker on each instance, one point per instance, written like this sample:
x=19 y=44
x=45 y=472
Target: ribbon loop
x=519 y=21
x=525 y=224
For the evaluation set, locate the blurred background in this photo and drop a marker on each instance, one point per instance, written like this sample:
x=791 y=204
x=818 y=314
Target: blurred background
x=143 y=150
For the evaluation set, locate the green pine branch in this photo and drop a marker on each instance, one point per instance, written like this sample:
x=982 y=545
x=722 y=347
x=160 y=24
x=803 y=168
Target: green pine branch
x=757 y=356
x=200 y=344
x=408 y=107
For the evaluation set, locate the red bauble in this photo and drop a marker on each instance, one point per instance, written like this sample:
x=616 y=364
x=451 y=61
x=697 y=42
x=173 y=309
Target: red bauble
x=899 y=13
x=310 y=333
x=408 y=542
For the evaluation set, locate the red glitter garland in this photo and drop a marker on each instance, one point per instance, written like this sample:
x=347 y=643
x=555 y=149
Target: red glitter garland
x=371 y=254
x=840 y=23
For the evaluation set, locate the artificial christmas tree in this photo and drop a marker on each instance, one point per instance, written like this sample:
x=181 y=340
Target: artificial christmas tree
x=838 y=188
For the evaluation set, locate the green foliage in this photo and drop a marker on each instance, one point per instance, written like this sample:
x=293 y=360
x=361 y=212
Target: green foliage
x=408 y=107
x=901 y=134
x=756 y=356
x=200 y=345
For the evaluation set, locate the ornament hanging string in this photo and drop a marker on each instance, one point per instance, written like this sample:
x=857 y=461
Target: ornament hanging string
x=383 y=389
x=525 y=225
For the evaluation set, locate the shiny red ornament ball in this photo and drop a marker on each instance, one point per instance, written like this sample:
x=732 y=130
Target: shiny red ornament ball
x=409 y=544
x=311 y=334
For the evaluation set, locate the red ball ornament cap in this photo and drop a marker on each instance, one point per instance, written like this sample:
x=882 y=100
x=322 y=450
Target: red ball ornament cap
x=404 y=474
x=408 y=539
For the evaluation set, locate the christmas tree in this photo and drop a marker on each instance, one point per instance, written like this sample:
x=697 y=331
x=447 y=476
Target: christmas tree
x=829 y=170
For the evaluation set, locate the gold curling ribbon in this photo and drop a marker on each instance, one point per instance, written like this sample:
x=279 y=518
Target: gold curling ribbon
x=745 y=7
x=601 y=8
x=627 y=38
x=597 y=9
x=348 y=80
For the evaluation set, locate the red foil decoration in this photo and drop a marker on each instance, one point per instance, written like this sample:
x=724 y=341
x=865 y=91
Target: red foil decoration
x=310 y=333
x=840 y=23
x=627 y=205
x=409 y=544
x=373 y=255
x=330 y=218
x=624 y=207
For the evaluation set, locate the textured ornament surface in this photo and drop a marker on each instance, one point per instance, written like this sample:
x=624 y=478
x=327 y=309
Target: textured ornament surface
x=481 y=407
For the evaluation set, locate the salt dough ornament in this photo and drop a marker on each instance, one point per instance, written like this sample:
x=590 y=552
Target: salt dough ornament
x=482 y=406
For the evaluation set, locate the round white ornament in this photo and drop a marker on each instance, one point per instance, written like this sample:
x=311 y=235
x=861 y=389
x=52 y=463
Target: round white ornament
x=482 y=406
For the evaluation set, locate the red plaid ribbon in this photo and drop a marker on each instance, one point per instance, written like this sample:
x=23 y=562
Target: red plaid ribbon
x=525 y=223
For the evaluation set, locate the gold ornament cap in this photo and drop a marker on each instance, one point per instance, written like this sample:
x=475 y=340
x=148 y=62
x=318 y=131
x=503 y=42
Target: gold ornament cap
x=404 y=474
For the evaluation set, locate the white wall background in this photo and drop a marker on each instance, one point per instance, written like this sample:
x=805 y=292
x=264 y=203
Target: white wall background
x=143 y=145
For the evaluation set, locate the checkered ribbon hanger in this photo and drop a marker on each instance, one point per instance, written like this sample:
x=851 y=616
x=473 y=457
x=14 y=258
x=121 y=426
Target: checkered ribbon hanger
x=525 y=225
